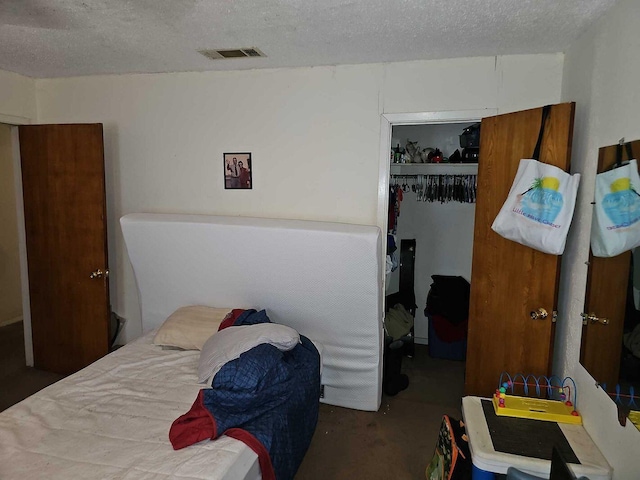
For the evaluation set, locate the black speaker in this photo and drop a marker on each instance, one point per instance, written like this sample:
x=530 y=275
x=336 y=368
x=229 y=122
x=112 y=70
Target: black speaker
x=407 y=265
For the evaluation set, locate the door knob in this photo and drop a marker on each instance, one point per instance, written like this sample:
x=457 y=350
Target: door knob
x=539 y=314
x=99 y=274
x=591 y=317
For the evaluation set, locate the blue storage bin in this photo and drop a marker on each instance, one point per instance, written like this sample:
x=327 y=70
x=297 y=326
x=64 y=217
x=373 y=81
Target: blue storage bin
x=479 y=474
x=438 y=348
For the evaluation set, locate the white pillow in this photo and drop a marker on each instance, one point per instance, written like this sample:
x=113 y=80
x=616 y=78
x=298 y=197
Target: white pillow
x=230 y=343
x=190 y=327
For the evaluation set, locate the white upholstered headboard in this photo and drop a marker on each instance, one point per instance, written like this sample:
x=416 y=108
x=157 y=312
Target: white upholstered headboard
x=323 y=279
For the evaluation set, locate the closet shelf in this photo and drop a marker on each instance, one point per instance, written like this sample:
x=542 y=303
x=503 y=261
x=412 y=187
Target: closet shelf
x=434 y=168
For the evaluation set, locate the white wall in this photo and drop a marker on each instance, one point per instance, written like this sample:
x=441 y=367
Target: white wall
x=314 y=134
x=600 y=75
x=17 y=98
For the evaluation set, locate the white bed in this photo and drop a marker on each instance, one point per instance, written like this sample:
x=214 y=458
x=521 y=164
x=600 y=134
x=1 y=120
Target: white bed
x=111 y=419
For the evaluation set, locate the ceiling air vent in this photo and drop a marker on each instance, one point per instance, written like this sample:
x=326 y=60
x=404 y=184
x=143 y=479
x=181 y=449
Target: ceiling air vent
x=232 y=53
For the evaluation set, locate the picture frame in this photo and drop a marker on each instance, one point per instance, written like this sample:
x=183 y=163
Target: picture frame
x=238 y=171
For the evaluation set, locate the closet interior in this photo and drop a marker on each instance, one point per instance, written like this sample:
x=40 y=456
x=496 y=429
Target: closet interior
x=432 y=191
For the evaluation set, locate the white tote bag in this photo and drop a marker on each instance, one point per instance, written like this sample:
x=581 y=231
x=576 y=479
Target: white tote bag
x=616 y=220
x=539 y=207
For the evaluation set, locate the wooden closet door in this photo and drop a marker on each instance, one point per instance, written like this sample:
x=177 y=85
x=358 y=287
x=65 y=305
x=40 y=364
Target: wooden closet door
x=509 y=280
x=66 y=237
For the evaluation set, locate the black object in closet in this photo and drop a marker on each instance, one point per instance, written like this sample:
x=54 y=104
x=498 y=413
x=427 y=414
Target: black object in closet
x=406 y=291
x=393 y=380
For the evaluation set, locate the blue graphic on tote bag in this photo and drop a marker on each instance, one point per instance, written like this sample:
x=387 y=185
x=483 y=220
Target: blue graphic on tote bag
x=542 y=202
x=622 y=205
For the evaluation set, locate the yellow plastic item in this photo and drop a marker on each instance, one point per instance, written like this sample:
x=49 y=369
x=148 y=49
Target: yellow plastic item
x=634 y=416
x=537 y=409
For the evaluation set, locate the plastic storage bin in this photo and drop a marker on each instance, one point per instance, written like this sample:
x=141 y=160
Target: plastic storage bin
x=439 y=348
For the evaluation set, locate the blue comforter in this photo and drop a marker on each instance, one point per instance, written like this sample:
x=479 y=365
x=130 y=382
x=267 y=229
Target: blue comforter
x=267 y=398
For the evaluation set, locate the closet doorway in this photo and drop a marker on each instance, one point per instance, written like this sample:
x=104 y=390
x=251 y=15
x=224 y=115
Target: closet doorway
x=514 y=288
x=433 y=204
x=437 y=211
x=443 y=229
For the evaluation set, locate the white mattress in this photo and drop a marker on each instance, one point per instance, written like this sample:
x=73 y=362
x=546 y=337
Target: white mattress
x=323 y=279
x=112 y=420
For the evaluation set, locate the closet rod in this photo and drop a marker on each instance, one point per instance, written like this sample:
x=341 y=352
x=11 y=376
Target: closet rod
x=412 y=175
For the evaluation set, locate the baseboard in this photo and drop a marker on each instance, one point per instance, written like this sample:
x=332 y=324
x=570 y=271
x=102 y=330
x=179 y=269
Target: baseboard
x=421 y=341
x=9 y=321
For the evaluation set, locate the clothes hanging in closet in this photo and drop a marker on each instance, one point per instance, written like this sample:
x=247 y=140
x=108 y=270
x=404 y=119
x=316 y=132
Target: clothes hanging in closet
x=437 y=188
x=395 y=199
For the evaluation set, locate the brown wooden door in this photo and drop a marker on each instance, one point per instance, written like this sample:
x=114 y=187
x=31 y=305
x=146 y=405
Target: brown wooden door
x=509 y=280
x=606 y=297
x=65 y=223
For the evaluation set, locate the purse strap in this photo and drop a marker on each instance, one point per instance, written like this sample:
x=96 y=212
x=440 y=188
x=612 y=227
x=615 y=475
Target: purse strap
x=619 y=153
x=546 y=110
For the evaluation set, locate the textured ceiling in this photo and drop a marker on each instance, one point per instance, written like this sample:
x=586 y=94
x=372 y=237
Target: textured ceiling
x=59 y=38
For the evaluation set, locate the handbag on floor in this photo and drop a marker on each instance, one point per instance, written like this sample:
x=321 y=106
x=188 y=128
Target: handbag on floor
x=616 y=218
x=451 y=459
x=539 y=208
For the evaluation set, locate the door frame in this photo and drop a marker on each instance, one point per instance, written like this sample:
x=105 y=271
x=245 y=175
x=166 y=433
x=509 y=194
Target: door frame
x=14 y=122
x=22 y=247
x=387 y=122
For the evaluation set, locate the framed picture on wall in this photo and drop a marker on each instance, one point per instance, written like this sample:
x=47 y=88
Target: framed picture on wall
x=237 y=170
